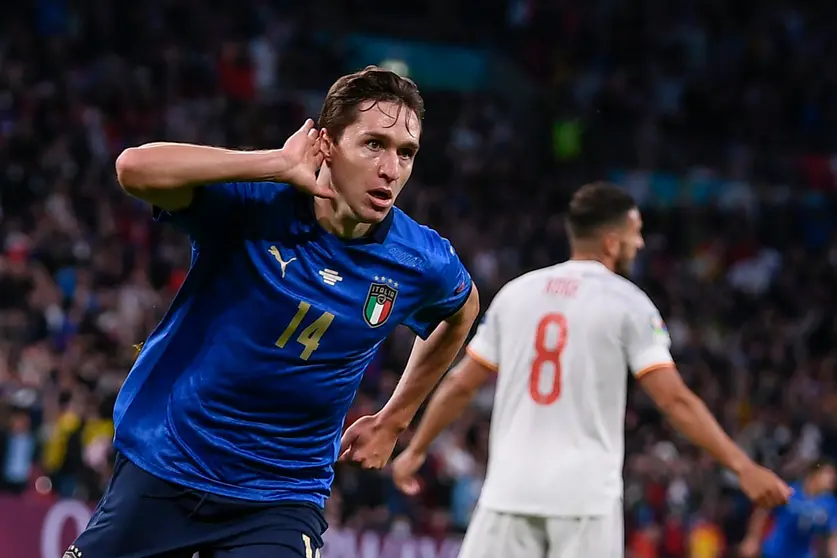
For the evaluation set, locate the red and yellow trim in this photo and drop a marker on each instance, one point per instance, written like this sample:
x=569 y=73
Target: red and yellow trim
x=653 y=368
x=481 y=360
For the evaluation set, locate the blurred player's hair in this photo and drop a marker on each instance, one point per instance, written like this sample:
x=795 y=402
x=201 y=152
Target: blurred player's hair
x=819 y=465
x=345 y=97
x=595 y=206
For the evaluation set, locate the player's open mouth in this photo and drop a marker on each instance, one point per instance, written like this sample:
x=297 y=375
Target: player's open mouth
x=381 y=197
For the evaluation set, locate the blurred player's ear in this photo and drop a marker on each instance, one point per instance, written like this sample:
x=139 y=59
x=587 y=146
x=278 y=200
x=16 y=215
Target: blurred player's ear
x=611 y=243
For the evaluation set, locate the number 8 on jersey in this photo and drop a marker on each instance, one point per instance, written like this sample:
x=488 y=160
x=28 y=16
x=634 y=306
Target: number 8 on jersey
x=548 y=349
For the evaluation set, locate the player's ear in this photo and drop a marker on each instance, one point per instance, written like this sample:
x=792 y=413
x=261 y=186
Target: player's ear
x=326 y=145
x=611 y=243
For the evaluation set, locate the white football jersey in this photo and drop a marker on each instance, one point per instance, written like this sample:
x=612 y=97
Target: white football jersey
x=562 y=340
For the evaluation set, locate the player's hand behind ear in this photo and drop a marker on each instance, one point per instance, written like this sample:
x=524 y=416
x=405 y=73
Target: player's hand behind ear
x=764 y=487
x=301 y=161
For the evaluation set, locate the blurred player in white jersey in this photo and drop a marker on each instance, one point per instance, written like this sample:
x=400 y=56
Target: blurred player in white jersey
x=562 y=339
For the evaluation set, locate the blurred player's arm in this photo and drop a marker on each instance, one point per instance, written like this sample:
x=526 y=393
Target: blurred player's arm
x=751 y=545
x=428 y=361
x=166 y=174
x=454 y=394
x=442 y=324
x=689 y=415
x=832 y=533
x=369 y=441
x=461 y=385
x=647 y=345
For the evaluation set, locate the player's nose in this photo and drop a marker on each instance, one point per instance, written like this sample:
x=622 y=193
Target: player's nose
x=388 y=167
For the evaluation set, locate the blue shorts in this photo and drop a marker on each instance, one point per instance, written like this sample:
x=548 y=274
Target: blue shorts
x=142 y=516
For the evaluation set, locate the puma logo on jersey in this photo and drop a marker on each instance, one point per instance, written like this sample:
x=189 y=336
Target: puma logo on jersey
x=278 y=255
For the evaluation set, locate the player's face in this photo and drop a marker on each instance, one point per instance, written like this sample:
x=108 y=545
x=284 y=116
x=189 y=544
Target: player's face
x=630 y=241
x=827 y=478
x=373 y=158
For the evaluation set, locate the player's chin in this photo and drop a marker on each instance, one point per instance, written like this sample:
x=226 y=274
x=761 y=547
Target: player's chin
x=373 y=213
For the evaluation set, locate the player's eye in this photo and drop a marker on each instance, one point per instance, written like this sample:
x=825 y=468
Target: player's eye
x=375 y=144
x=406 y=153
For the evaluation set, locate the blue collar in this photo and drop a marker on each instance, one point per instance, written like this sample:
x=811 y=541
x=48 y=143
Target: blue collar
x=377 y=235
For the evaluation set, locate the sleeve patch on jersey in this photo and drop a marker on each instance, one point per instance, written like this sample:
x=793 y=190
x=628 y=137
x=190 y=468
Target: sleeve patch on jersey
x=658 y=326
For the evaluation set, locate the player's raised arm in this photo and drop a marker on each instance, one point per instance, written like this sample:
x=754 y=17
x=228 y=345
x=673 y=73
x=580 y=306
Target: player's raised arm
x=165 y=174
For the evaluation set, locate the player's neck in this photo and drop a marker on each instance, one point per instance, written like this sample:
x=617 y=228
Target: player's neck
x=329 y=216
x=809 y=488
x=589 y=256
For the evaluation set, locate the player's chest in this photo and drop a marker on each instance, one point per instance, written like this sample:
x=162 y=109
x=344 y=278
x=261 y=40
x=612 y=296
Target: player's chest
x=809 y=515
x=355 y=289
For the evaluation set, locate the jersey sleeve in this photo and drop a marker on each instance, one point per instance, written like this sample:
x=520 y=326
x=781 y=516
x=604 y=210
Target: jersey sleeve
x=645 y=337
x=218 y=207
x=485 y=345
x=448 y=290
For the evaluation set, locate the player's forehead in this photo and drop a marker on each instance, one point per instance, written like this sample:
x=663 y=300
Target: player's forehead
x=393 y=121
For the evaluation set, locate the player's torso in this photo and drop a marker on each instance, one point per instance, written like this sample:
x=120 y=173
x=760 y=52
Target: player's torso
x=262 y=350
x=561 y=389
x=306 y=305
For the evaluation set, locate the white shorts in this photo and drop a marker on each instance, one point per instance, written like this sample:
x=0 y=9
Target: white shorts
x=493 y=534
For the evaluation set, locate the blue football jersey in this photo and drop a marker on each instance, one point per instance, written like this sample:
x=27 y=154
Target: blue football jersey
x=799 y=522
x=243 y=388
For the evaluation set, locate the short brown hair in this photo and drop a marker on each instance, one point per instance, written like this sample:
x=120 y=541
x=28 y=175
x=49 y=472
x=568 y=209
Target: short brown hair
x=597 y=205
x=370 y=84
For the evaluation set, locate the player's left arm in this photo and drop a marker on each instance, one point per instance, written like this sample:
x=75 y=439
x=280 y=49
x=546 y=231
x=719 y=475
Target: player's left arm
x=832 y=530
x=442 y=324
x=429 y=360
x=370 y=440
x=461 y=385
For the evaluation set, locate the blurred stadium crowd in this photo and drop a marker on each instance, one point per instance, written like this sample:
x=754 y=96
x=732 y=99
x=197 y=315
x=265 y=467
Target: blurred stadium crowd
x=719 y=119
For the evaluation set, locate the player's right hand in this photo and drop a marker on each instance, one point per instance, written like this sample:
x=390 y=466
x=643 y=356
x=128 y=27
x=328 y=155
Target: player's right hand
x=764 y=487
x=300 y=161
x=404 y=470
x=749 y=548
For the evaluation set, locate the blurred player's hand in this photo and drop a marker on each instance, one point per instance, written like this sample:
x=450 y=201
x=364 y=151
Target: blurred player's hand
x=749 y=548
x=404 y=470
x=764 y=487
x=301 y=159
x=368 y=442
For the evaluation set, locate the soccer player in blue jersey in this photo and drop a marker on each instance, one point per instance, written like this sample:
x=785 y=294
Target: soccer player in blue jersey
x=811 y=513
x=229 y=424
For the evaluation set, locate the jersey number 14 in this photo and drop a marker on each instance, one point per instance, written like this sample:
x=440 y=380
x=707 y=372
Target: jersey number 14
x=309 y=337
x=548 y=355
